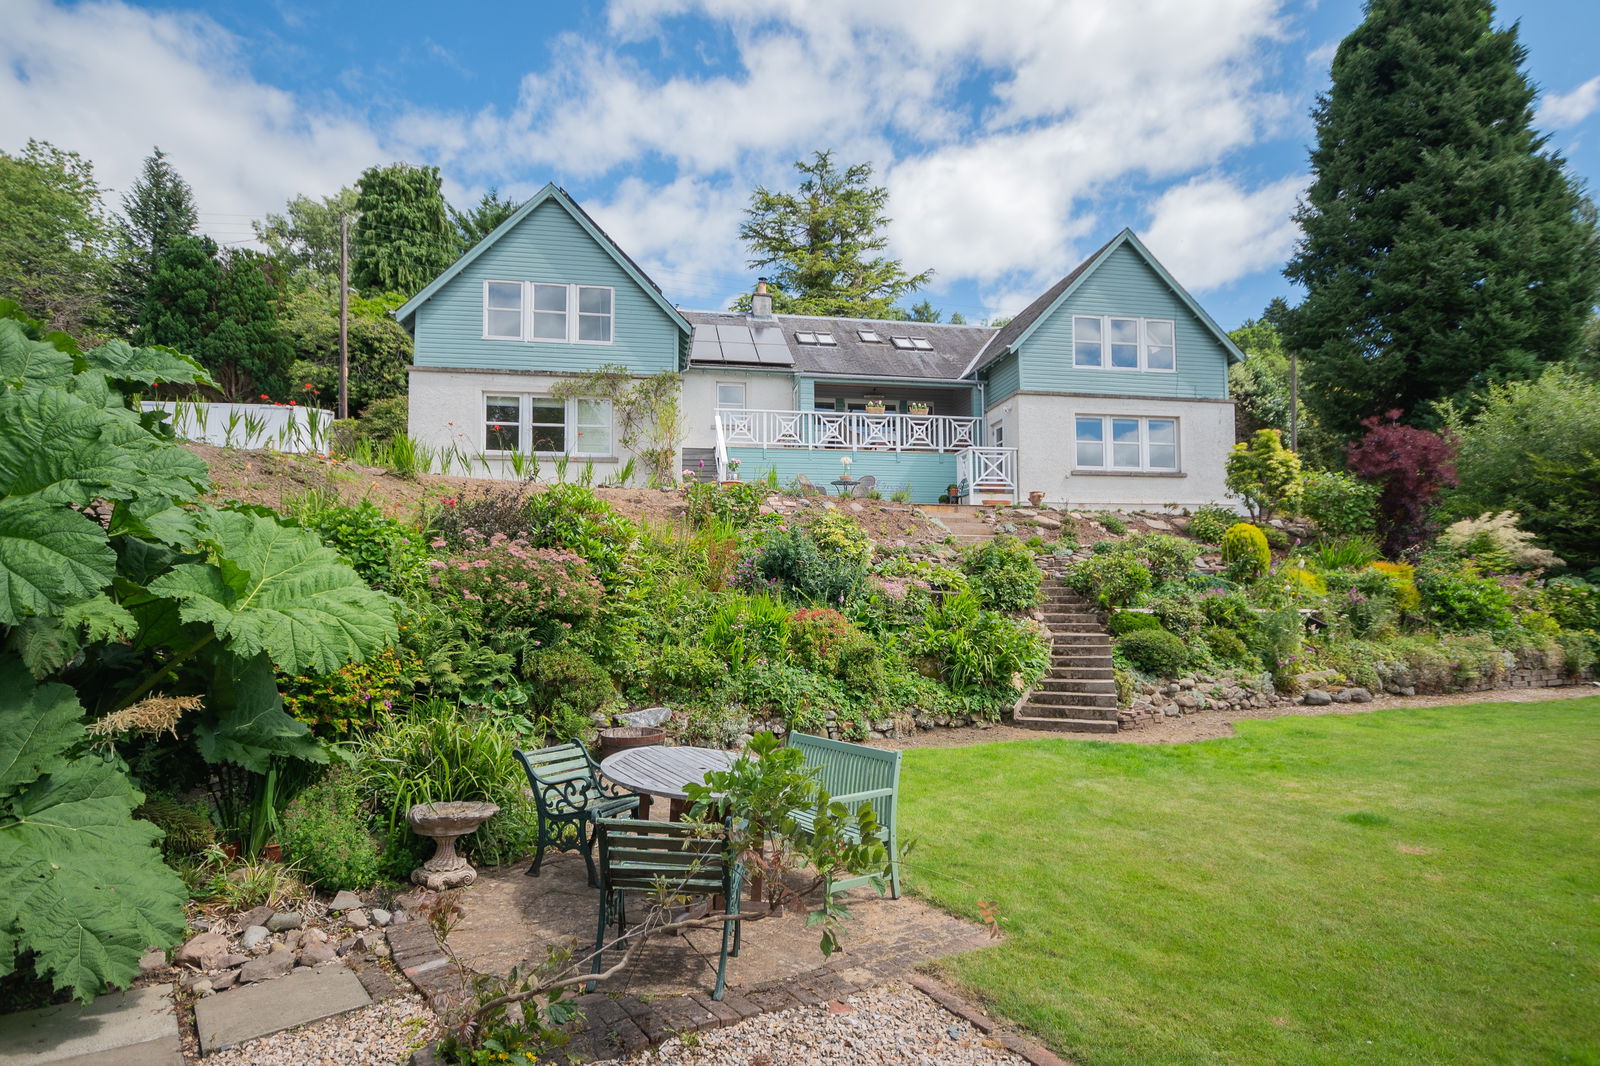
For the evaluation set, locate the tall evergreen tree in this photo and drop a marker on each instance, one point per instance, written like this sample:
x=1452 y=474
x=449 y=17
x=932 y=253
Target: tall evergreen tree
x=1445 y=248
x=478 y=221
x=157 y=210
x=223 y=313
x=821 y=240
x=403 y=237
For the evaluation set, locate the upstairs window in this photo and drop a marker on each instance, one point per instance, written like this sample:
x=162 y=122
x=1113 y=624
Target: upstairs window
x=1109 y=342
x=730 y=395
x=548 y=312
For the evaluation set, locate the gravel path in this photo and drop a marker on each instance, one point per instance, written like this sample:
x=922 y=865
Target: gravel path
x=891 y=1025
x=1208 y=725
x=384 y=1034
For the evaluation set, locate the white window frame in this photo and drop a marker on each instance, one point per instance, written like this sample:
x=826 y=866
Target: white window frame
x=744 y=395
x=1144 y=344
x=572 y=314
x=1108 y=445
x=522 y=310
x=571 y=428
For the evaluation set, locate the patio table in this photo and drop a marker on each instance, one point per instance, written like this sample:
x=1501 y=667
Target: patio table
x=665 y=772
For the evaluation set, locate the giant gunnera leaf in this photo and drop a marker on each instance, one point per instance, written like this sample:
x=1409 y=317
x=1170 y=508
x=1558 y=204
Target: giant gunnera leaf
x=50 y=557
x=277 y=589
x=81 y=883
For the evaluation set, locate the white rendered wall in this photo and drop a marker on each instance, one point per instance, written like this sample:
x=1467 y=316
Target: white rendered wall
x=763 y=391
x=1042 y=429
x=247 y=425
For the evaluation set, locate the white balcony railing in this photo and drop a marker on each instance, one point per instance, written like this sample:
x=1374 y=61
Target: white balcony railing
x=987 y=471
x=845 y=431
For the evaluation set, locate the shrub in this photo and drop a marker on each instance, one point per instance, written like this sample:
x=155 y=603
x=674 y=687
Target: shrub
x=326 y=833
x=1124 y=622
x=1493 y=540
x=686 y=669
x=1403 y=576
x=387 y=554
x=383 y=420
x=1114 y=579
x=1210 y=522
x=1277 y=539
x=838 y=534
x=742 y=629
x=929 y=574
x=1230 y=610
x=1410 y=467
x=567 y=689
x=788 y=561
x=186 y=824
x=738 y=505
x=1179 y=611
x=981 y=651
x=483 y=514
x=1226 y=646
x=1168 y=558
x=1573 y=602
x=1461 y=601
x=1111 y=523
x=1265 y=474
x=861 y=668
x=1366 y=600
x=1578 y=652
x=817 y=635
x=1244 y=549
x=1277 y=640
x=1003 y=575
x=501 y=583
x=572 y=517
x=1155 y=652
x=352 y=697
x=1340 y=505
x=1302 y=581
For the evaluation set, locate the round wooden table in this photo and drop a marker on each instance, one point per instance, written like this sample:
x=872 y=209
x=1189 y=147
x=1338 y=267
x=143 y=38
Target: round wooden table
x=666 y=772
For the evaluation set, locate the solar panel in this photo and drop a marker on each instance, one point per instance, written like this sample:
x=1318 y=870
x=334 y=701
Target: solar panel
x=739 y=352
x=774 y=355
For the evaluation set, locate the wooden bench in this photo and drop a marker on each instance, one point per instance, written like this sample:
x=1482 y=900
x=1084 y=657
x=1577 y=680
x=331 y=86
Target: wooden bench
x=856 y=775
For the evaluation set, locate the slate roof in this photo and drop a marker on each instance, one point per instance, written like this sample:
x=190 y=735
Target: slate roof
x=1009 y=333
x=953 y=347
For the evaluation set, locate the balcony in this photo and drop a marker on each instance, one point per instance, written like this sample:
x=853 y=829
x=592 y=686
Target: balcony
x=846 y=431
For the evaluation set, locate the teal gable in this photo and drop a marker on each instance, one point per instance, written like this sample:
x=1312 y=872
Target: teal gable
x=551 y=241
x=1034 y=352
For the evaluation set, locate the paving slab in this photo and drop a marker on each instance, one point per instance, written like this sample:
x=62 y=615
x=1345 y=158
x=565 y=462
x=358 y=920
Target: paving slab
x=252 y=1011
x=137 y=1028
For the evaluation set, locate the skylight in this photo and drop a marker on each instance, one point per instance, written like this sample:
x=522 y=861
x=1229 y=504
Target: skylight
x=921 y=345
x=901 y=342
x=825 y=338
x=869 y=336
x=806 y=338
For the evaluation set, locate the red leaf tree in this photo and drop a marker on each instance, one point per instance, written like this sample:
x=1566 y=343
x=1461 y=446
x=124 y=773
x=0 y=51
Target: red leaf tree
x=1411 y=467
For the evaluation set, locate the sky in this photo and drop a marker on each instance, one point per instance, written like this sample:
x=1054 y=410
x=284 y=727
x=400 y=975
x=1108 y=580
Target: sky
x=1014 y=136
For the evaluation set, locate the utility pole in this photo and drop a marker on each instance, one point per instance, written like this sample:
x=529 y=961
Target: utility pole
x=344 y=315
x=1294 y=401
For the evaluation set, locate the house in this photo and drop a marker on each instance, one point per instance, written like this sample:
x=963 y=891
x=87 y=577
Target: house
x=1109 y=390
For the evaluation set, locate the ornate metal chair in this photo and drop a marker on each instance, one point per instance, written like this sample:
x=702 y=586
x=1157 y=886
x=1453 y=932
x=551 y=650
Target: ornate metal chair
x=566 y=787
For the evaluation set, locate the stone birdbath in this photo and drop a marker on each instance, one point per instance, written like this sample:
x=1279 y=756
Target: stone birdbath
x=444 y=824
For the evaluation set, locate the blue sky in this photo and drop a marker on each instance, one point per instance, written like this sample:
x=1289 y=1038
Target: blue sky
x=1015 y=136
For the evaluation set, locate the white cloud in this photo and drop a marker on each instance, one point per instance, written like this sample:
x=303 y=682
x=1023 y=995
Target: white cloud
x=685 y=235
x=1209 y=231
x=1565 y=110
x=111 y=81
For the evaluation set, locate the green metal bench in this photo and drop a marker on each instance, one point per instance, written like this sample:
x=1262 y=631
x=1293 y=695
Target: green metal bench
x=856 y=775
x=566 y=787
x=645 y=856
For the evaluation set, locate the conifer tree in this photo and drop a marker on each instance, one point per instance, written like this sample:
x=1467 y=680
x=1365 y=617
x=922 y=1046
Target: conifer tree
x=821 y=240
x=478 y=221
x=403 y=237
x=179 y=308
x=1445 y=247
x=157 y=210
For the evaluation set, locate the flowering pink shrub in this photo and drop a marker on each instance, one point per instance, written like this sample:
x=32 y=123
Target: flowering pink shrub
x=502 y=583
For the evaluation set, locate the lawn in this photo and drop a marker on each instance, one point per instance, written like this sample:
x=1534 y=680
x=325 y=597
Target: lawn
x=1408 y=886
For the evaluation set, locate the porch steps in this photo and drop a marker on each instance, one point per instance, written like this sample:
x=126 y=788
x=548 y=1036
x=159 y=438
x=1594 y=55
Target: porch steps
x=963 y=523
x=703 y=461
x=1079 y=694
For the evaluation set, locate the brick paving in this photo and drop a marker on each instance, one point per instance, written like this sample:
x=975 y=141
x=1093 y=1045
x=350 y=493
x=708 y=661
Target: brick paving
x=511 y=920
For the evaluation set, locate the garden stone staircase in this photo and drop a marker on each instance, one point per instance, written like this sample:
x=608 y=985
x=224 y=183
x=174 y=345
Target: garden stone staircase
x=964 y=523
x=1079 y=694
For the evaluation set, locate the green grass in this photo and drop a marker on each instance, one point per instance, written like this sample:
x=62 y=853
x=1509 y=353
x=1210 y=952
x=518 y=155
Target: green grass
x=1410 y=886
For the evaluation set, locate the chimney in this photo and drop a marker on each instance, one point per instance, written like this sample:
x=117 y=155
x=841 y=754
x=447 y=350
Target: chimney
x=761 y=302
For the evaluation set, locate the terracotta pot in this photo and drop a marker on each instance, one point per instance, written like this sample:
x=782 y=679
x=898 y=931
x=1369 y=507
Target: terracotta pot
x=272 y=852
x=623 y=737
x=1035 y=499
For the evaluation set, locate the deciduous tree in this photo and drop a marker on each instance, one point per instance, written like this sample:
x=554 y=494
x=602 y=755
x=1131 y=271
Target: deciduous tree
x=1412 y=467
x=306 y=235
x=822 y=242
x=1445 y=247
x=55 y=238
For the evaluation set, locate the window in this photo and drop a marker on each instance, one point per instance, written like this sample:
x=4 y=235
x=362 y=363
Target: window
x=730 y=394
x=1118 y=442
x=522 y=423
x=805 y=337
x=921 y=345
x=502 y=310
x=594 y=314
x=901 y=342
x=502 y=430
x=1107 y=342
x=826 y=338
x=869 y=336
x=539 y=311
